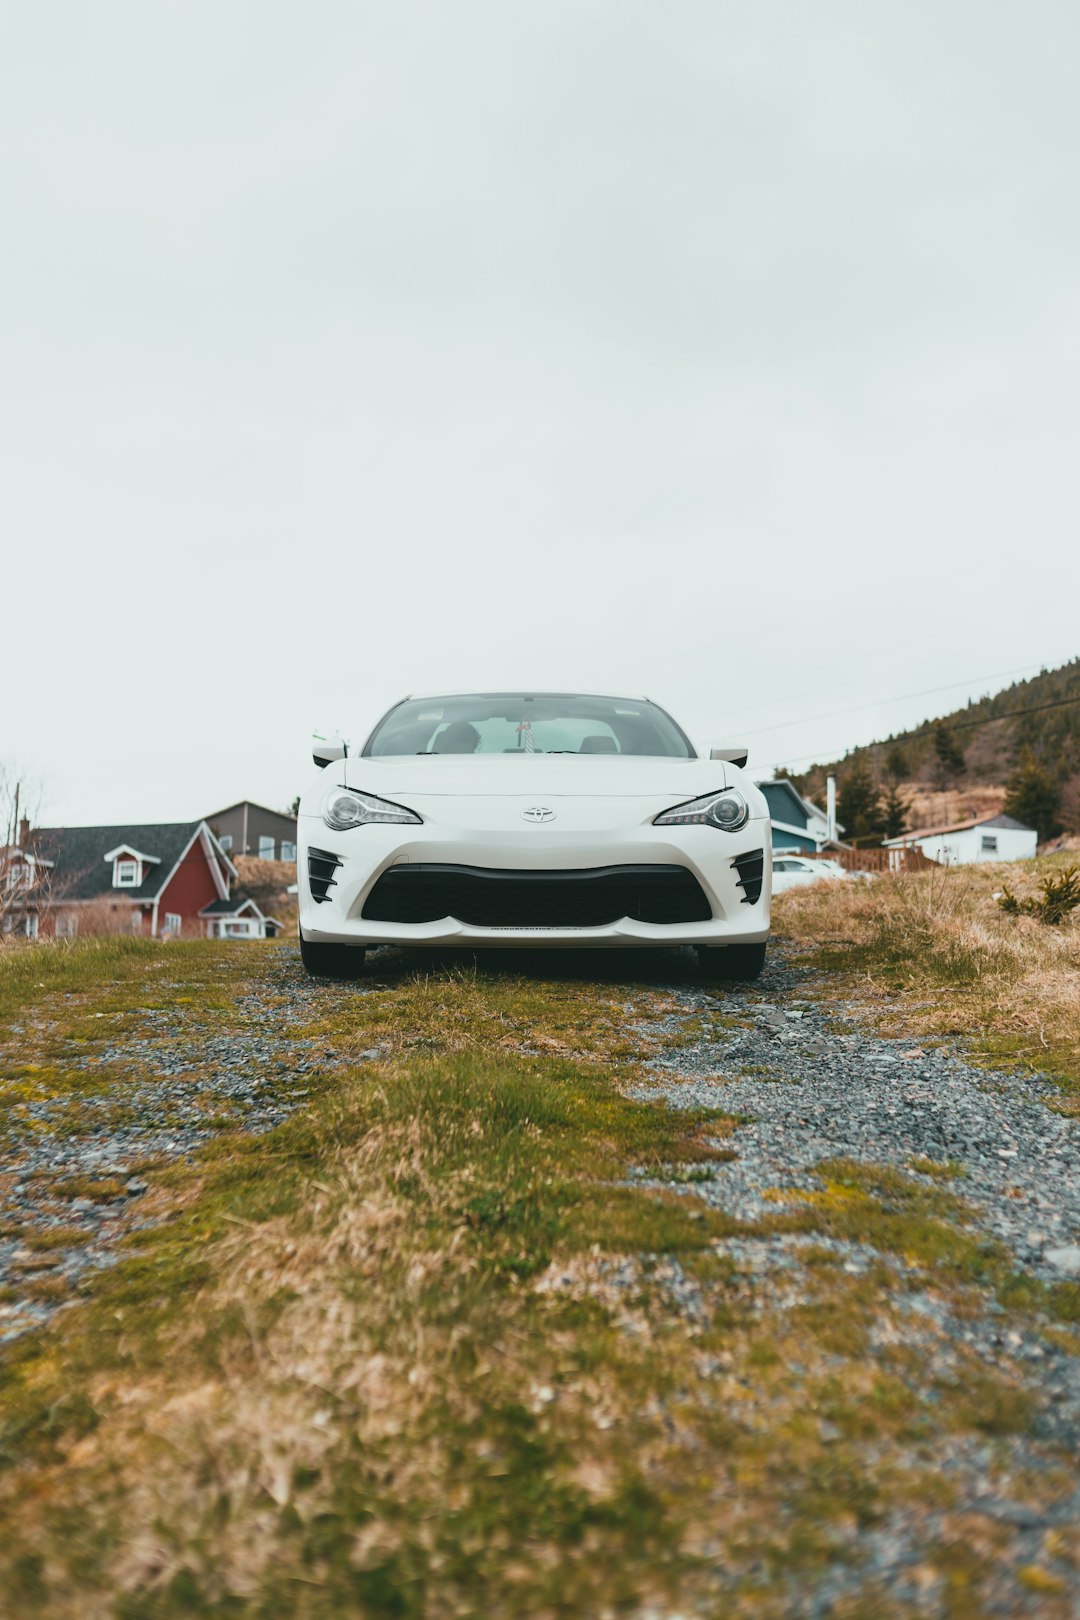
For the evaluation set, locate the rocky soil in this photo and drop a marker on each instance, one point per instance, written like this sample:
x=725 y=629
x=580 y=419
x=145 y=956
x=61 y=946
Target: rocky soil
x=819 y=1087
x=813 y=1086
x=78 y=1169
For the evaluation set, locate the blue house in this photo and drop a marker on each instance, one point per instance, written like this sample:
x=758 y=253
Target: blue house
x=797 y=823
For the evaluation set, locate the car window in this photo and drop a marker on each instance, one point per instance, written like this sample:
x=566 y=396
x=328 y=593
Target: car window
x=500 y=735
x=528 y=723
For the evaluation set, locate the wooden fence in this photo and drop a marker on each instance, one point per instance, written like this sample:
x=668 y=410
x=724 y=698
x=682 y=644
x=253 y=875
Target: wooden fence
x=909 y=859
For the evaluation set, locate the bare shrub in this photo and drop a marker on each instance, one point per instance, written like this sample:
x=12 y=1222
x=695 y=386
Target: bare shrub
x=24 y=884
x=96 y=918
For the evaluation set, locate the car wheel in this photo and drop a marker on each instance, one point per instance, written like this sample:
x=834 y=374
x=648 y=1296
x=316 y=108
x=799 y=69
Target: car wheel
x=738 y=962
x=332 y=961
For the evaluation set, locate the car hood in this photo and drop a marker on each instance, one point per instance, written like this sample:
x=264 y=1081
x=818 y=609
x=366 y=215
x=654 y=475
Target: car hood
x=549 y=776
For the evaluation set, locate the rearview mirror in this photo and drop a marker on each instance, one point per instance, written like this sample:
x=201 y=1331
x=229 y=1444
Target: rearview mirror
x=733 y=754
x=326 y=749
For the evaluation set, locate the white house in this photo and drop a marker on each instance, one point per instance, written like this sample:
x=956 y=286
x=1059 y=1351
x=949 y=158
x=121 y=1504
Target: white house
x=989 y=838
x=239 y=918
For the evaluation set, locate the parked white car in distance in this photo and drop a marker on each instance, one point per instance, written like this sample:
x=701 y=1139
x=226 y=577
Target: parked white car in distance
x=798 y=871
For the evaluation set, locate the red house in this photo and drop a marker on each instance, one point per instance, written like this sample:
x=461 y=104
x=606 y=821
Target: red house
x=168 y=878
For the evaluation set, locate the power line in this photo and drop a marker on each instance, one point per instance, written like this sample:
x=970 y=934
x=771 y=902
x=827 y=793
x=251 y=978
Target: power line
x=927 y=691
x=928 y=731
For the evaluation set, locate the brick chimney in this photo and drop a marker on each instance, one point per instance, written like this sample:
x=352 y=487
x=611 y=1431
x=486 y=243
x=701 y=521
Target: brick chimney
x=24 y=831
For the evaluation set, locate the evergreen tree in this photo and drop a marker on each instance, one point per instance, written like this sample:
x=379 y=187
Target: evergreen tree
x=858 y=803
x=950 y=755
x=894 y=812
x=1070 y=805
x=1033 y=796
x=896 y=763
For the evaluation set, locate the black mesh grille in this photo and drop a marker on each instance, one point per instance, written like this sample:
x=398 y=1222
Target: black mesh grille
x=751 y=870
x=321 y=866
x=487 y=898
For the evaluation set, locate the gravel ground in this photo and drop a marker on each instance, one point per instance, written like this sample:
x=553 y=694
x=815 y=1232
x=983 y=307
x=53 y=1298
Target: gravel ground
x=822 y=1091
x=160 y=1095
x=812 y=1088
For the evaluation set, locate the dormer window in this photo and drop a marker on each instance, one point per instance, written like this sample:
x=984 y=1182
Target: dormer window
x=20 y=875
x=129 y=866
x=20 y=871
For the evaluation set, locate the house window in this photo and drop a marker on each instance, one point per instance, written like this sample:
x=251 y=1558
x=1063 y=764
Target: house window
x=266 y=848
x=989 y=844
x=173 y=922
x=20 y=875
x=67 y=925
x=126 y=874
x=31 y=925
x=226 y=842
x=288 y=852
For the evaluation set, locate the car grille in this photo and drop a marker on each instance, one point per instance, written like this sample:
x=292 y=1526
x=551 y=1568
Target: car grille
x=486 y=898
x=751 y=870
x=321 y=866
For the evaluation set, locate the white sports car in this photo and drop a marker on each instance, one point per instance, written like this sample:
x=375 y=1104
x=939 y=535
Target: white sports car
x=532 y=818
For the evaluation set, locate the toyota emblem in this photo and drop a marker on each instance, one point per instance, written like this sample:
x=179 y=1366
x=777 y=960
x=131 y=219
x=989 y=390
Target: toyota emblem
x=537 y=813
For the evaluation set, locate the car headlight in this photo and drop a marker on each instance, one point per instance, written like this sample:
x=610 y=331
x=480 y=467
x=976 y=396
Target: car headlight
x=344 y=808
x=727 y=810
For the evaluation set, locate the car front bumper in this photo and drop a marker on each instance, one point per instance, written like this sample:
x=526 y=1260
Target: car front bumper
x=365 y=853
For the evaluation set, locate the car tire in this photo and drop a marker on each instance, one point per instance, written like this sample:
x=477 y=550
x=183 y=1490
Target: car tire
x=332 y=961
x=740 y=963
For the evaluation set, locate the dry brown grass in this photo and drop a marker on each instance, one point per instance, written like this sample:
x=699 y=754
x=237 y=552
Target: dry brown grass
x=964 y=967
x=267 y=883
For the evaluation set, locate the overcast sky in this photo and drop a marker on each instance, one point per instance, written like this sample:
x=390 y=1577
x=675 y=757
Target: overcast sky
x=724 y=352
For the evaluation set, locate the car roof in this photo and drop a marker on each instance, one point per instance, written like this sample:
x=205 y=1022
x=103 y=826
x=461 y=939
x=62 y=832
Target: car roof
x=511 y=691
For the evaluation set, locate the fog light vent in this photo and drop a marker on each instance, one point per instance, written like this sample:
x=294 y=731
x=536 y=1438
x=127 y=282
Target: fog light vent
x=321 y=866
x=751 y=869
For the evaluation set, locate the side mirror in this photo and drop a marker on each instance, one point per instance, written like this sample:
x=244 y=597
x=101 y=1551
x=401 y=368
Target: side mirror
x=326 y=749
x=733 y=755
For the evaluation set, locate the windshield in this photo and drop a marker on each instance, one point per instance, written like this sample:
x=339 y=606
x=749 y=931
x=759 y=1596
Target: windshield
x=528 y=723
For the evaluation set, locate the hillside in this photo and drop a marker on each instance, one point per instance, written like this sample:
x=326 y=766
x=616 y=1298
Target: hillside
x=966 y=762
x=267 y=882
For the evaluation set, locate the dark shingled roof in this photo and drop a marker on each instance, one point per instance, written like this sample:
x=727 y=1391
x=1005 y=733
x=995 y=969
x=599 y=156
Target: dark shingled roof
x=225 y=908
x=81 y=871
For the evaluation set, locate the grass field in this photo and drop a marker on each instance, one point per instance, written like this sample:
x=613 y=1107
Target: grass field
x=429 y=1348
x=933 y=954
